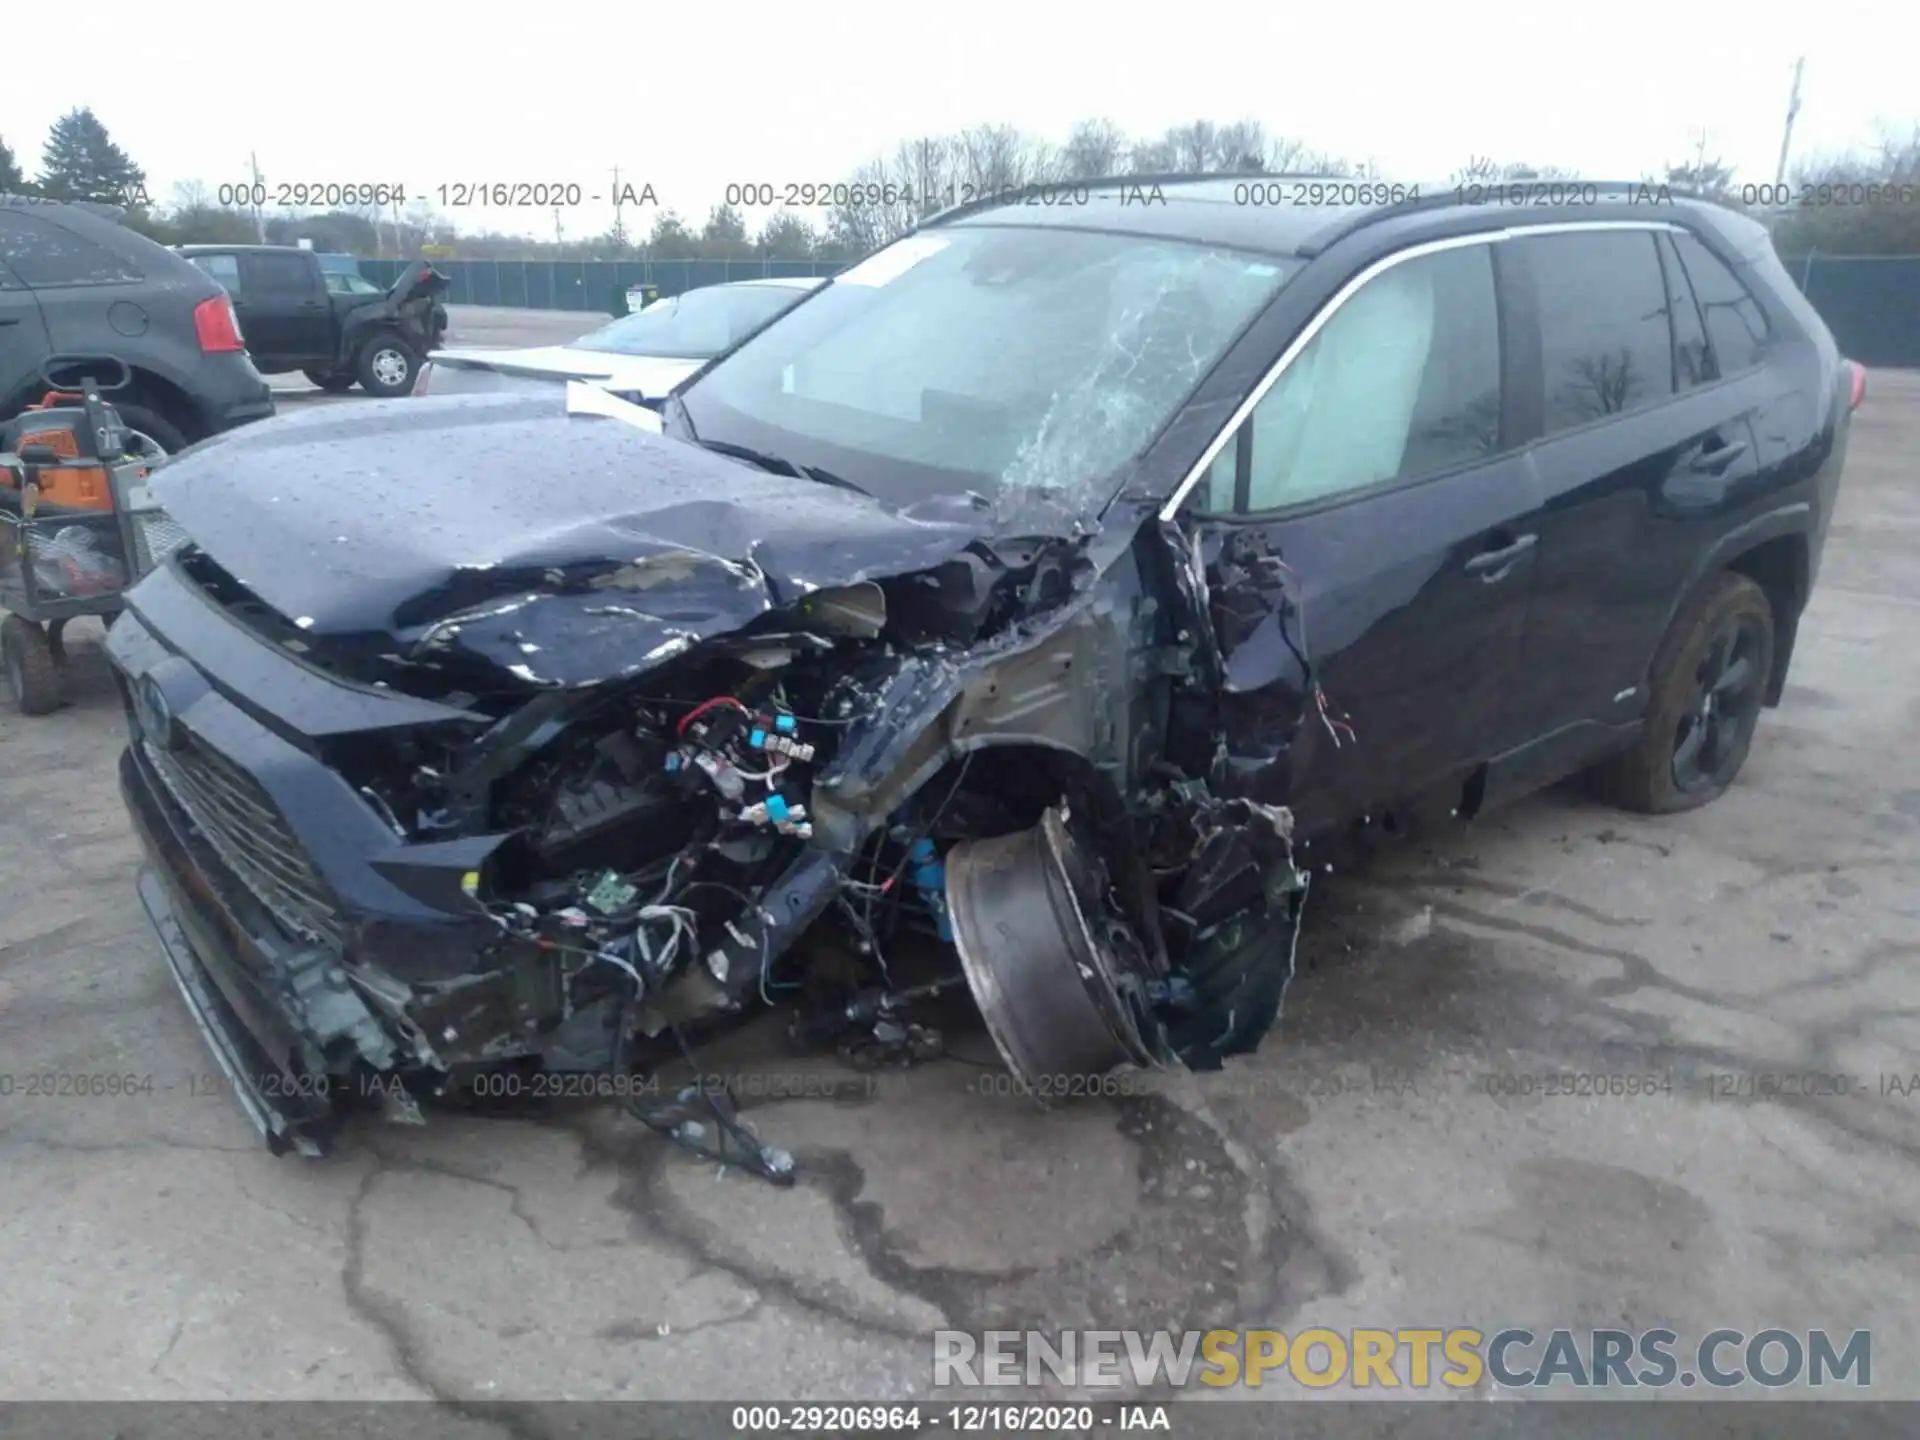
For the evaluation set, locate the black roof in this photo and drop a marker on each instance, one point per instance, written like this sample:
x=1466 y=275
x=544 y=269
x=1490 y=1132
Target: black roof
x=1289 y=215
x=95 y=208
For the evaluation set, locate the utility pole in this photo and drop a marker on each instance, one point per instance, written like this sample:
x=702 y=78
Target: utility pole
x=1793 y=109
x=619 y=236
x=259 y=188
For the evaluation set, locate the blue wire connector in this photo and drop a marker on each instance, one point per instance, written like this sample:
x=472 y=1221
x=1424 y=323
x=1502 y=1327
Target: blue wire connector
x=930 y=875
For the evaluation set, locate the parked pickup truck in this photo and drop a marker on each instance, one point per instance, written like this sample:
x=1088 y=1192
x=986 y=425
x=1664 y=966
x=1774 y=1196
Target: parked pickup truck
x=293 y=319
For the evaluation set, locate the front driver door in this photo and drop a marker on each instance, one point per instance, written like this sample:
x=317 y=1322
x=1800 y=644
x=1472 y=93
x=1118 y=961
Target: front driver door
x=1370 y=541
x=284 y=313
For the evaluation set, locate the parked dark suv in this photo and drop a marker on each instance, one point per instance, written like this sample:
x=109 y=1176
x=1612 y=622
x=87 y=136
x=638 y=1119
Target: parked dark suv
x=1012 y=614
x=75 y=280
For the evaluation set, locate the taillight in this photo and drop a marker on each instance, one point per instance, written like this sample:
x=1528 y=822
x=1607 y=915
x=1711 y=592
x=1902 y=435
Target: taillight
x=216 y=326
x=420 y=380
x=1859 y=385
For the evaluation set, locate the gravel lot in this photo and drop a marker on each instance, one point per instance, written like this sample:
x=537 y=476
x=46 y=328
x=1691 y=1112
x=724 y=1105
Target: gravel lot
x=1355 y=1172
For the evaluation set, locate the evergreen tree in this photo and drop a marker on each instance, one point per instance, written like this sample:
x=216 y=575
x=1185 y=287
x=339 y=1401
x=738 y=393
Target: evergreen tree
x=81 y=162
x=12 y=180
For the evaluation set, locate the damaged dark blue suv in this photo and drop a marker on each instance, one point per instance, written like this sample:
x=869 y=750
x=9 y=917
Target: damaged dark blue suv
x=1007 y=616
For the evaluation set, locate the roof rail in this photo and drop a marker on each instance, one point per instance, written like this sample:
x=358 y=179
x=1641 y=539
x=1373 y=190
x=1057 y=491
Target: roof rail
x=1449 y=192
x=1168 y=177
x=1431 y=194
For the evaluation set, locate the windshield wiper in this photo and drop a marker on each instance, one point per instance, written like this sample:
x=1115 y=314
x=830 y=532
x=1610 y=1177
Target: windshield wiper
x=780 y=465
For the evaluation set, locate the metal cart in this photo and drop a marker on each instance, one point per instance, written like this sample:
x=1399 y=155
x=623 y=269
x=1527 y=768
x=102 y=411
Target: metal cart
x=78 y=524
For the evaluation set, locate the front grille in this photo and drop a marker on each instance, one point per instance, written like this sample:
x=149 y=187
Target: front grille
x=155 y=537
x=240 y=822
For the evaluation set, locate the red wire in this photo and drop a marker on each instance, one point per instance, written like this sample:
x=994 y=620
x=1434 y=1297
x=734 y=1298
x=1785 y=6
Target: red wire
x=702 y=708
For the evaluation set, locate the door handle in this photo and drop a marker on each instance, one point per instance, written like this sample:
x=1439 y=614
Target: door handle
x=311 y=305
x=9 y=319
x=1491 y=565
x=1716 y=460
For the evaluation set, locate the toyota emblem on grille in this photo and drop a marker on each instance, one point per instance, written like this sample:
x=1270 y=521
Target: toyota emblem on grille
x=156 y=716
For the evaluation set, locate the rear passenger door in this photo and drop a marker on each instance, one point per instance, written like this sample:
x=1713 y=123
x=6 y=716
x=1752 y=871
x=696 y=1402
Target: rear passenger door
x=284 y=311
x=85 y=295
x=1370 y=524
x=23 y=334
x=1640 y=449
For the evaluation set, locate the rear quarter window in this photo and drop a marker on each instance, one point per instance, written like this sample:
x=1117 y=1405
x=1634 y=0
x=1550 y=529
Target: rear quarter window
x=1736 y=325
x=46 y=255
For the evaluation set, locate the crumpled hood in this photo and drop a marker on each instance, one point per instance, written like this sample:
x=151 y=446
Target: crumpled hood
x=564 y=549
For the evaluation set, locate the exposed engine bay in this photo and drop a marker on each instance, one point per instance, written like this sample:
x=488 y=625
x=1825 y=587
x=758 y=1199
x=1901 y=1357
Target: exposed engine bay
x=631 y=797
x=712 y=835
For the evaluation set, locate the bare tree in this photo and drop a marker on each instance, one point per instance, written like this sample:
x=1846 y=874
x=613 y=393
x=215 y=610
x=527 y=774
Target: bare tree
x=1709 y=177
x=990 y=158
x=856 y=227
x=1858 y=203
x=1484 y=170
x=1242 y=147
x=1094 y=149
x=1601 y=384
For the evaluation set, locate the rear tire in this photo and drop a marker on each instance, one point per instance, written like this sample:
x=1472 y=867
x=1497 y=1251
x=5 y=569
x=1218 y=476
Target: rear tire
x=26 y=661
x=162 y=431
x=387 y=367
x=334 y=382
x=1709 y=683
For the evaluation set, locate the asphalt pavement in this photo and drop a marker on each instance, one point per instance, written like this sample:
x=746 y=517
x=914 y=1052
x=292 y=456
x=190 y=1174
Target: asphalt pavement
x=1394 y=1155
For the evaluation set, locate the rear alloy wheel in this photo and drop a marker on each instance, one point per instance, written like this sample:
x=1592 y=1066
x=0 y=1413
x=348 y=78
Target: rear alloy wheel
x=387 y=367
x=26 y=659
x=1709 y=686
x=334 y=382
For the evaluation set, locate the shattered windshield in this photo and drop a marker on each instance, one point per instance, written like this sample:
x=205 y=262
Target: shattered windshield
x=1019 y=363
x=695 y=326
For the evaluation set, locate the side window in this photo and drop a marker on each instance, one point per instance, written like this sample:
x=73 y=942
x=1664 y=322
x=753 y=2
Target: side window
x=1736 y=325
x=1692 y=362
x=45 y=254
x=271 y=274
x=1605 y=344
x=223 y=269
x=1402 y=381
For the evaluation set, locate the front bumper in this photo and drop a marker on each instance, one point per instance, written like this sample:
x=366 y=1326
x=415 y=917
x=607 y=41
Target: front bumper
x=290 y=914
x=219 y=970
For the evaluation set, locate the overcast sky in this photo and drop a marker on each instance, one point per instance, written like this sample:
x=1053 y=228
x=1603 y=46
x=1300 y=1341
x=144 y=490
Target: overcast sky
x=692 y=96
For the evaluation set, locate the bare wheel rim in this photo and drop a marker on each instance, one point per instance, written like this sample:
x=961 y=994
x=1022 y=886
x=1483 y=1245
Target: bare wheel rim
x=1722 y=707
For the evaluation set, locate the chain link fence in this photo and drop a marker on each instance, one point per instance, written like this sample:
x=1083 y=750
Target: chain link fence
x=1871 y=302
